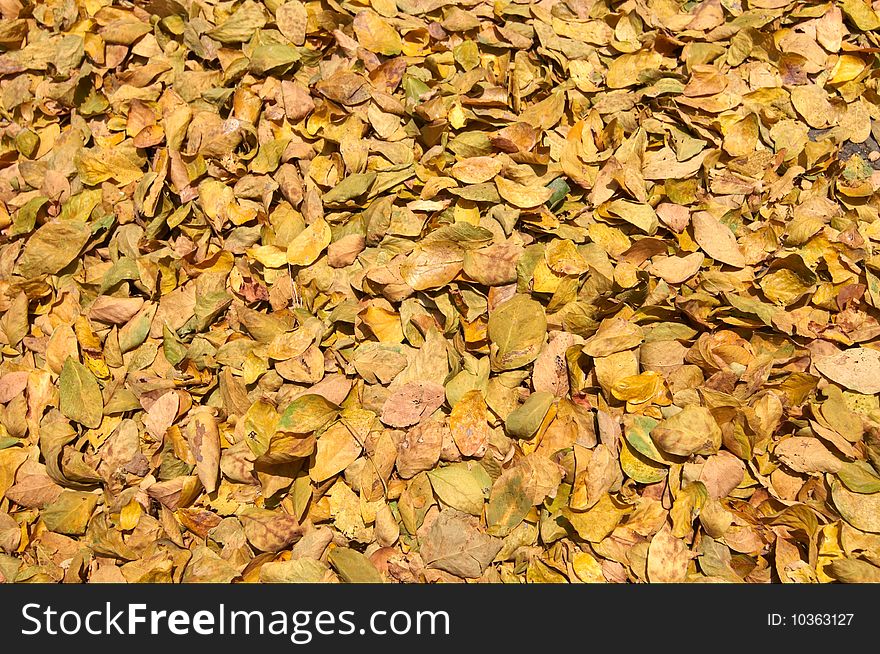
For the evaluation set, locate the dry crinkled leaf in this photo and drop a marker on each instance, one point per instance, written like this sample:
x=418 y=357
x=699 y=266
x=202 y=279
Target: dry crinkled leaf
x=854 y=571
x=33 y=489
x=468 y=423
x=813 y=105
x=420 y=449
x=803 y=454
x=270 y=531
x=857 y=476
x=240 y=25
x=614 y=336
x=345 y=88
x=203 y=437
x=11 y=459
x=693 y=430
x=271 y=57
x=454 y=544
x=509 y=502
x=518 y=489
x=721 y=474
x=412 y=402
x=668 y=558
x=494 y=265
x=307 y=413
x=857 y=369
x=161 y=414
x=292 y=20
x=550 y=373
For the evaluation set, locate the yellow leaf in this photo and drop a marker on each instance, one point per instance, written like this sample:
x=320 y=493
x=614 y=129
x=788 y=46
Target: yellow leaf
x=383 y=323
x=130 y=515
x=375 y=34
x=336 y=450
x=587 y=568
x=476 y=170
x=624 y=70
x=520 y=195
x=563 y=257
x=847 y=68
x=308 y=245
x=466 y=211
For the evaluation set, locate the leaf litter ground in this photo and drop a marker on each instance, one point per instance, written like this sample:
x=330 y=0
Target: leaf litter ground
x=431 y=290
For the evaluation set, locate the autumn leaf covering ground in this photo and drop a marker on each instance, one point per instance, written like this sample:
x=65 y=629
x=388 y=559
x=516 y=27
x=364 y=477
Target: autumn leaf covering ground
x=439 y=290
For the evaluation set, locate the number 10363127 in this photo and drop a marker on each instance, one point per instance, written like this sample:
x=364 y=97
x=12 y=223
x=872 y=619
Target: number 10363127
x=810 y=619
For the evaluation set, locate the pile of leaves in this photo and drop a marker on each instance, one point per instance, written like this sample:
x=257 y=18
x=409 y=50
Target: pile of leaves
x=439 y=290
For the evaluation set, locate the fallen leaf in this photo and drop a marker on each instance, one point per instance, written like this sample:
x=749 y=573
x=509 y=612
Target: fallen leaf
x=456 y=546
x=411 y=403
x=668 y=558
x=716 y=239
x=857 y=369
x=80 y=395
